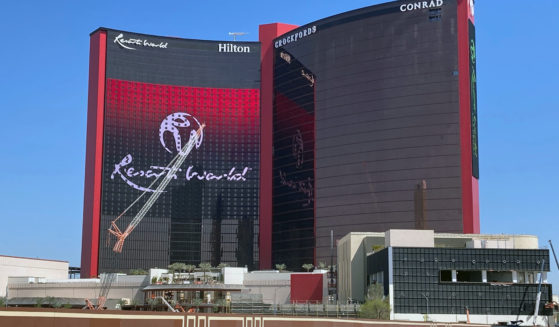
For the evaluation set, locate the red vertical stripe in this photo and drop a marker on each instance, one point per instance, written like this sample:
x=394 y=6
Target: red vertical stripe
x=94 y=154
x=470 y=193
x=475 y=206
x=267 y=33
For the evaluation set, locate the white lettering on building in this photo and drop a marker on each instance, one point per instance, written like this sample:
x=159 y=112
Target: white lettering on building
x=421 y=5
x=230 y=47
x=131 y=42
x=295 y=36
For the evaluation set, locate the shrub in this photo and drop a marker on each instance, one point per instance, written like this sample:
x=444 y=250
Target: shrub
x=375 y=309
x=377 y=306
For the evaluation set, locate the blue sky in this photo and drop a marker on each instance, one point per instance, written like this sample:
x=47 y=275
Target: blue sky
x=44 y=75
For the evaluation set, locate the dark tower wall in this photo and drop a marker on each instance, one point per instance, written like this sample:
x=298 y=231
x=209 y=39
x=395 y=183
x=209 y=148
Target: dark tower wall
x=388 y=115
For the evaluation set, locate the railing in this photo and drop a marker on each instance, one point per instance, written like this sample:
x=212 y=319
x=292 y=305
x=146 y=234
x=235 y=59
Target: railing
x=299 y=309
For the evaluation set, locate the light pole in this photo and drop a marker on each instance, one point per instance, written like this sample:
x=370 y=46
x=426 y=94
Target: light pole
x=426 y=299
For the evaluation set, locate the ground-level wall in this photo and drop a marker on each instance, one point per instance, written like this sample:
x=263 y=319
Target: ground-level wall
x=53 y=318
x=124 y=287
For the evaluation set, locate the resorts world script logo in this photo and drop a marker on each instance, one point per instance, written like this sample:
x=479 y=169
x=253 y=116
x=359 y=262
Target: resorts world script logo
x=131 y=42
x=302 y=186
x=177 y=125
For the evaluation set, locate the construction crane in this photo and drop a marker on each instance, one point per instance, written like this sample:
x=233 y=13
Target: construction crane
x=177 y=308
x=553 y=251
x=107 y=279
x=171 y=169
x=538 y=296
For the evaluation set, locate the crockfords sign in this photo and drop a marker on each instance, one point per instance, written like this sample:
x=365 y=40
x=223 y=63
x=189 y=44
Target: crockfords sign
x=421 y=5
x=132 y=43
x=230 y=47
x=295 y=36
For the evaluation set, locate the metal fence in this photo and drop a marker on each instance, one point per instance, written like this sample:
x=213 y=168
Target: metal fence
x=299 y=309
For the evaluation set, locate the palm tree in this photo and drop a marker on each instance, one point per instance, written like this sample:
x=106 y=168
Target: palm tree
x=176 y=267
x=189 y=269
x=205 y=266
x=308 y=266
x=281 y=266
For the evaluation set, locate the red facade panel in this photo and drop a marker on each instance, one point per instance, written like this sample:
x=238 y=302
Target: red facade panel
x=267 y=33
x=307 y=288
x=94 y=153
x=470 y=192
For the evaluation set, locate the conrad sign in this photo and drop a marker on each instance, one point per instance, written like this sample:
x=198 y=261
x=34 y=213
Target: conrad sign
x=421 y=5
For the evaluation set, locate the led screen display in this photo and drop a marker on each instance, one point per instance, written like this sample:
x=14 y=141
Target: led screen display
x=158 y=93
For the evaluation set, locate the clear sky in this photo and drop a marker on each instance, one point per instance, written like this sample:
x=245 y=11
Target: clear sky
x=44 y=56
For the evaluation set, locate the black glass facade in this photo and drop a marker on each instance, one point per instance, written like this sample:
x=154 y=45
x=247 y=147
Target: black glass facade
x=424 y=274
x=157 y=92
x=293 y=164
x=385 y=114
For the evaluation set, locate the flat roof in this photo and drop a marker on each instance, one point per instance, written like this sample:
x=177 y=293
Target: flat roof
x=193 y=287
x=11 y=256
x=444 y=235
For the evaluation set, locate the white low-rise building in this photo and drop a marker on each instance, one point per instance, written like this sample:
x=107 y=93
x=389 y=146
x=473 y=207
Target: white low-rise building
x=29 y=267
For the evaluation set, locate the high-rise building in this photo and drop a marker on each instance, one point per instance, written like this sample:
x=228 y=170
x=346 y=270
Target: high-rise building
x=363 y=121
x=374 y=126
x=148 y=94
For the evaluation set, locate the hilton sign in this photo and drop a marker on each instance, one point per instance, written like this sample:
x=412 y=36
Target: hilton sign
x=230 y=47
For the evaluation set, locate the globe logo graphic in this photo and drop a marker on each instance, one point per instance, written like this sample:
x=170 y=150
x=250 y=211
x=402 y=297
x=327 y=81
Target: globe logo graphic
x=174 y=124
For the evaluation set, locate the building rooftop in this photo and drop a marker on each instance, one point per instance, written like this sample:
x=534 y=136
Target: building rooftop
x=26 y=258
x=197 y=287
x=420 y=238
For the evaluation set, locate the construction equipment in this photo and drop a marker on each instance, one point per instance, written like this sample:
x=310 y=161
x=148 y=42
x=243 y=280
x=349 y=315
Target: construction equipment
x=177 y=308
x=106 y=281
x=554 y=256
x=89 y=305
x=171 y=169
x=539 y=294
